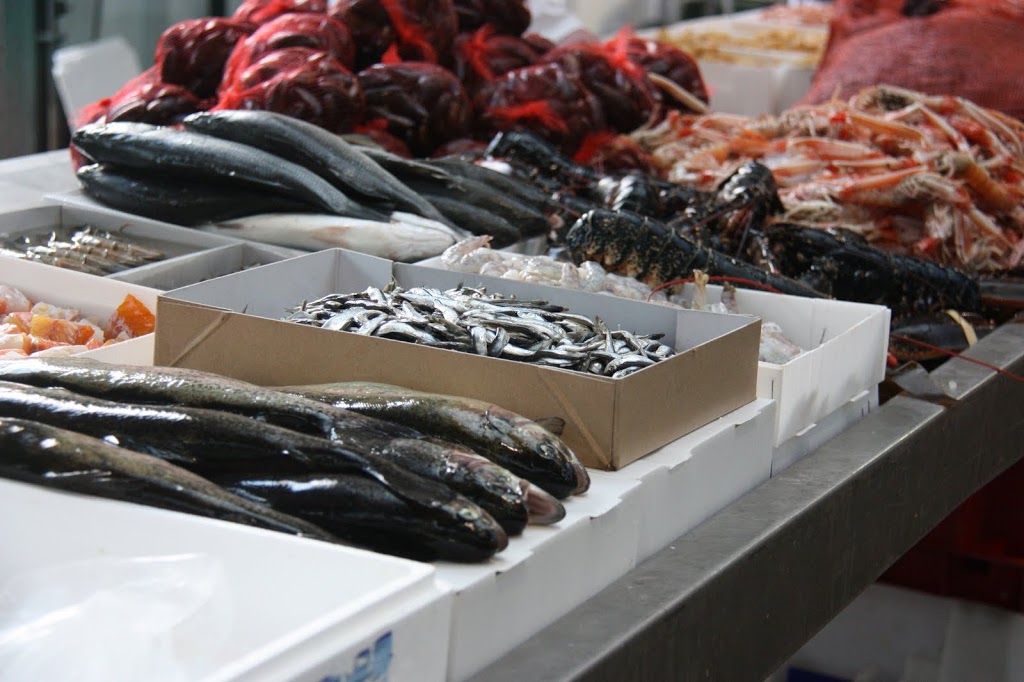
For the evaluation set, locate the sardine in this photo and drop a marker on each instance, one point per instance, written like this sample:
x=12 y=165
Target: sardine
x=201 y=157
x=504 y=437
x=175 y=200
x=396 y=240
x=310 y=146
x=57 y=458
x=362 y=512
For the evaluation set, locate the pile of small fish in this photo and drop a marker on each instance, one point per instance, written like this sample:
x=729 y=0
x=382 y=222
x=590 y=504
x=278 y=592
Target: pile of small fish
x=471 y=321
x=85 y=249
x=413 y=474
x=472 y=256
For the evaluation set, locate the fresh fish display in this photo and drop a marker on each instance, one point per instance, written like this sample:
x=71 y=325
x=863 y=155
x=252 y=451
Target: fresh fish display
x=202 y=157
x=476 y=220
x=312 y=147
x=83 y=248
x=473 y=256
x=360 y=511
x=177 y=200
x=509 y=439
x=404 y=238
x=65 y=460
x=471 y=321
x=218 y=444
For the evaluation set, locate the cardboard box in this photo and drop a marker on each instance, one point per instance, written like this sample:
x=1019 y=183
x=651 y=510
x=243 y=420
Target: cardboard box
x=286 y=608
x=845 y=344
x=626 y=516
x=175 y=242
x=609 y=422
x=96 y=297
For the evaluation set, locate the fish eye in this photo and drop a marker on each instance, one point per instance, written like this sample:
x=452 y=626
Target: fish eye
x=468 y=514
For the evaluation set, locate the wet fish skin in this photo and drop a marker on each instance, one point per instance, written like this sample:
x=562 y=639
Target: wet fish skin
x=201 y=157
x=176 y=200
x=310 y=146
x=476 y=220
x=211 y=443
x=529 y=220
x=523 y=191
x=504 y=437
x=394 y=239
x=360 y=511
x=57 y=458
x=193 y=388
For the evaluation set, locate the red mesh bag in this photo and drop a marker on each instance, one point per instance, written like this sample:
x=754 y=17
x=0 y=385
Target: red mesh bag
x=544 y=99
x=483 y=55
x=539 y=43
x=423 y=30
x=664 y=60
x=296 y=81
x=192 y=53
x=424 y=104
x=377 y=130
x=510 y=17
x=147 y=99
x=257 y=12
x=621 y=85
x=610 y=153
x=965 y=49
x=314 y=31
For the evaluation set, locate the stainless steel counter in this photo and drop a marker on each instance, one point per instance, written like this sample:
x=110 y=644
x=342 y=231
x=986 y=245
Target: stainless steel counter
x=737 y=596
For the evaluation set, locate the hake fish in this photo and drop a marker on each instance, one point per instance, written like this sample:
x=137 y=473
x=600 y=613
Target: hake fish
x=65 y=460
x=506 y=438
x=312 y=147
x=202 y=157
x=400 y=239
x=364 y=513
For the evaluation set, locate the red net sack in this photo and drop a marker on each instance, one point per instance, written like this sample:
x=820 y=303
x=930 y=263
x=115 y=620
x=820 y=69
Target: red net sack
x=510 y=17
x=257 y=12
x=314 y=31
x=544 y=99
x=539 y=43
x=422 y=30
x=377 y=130
x=424 y=104
x=192 y=53
x=483 y=55
x=146 y=99
x=662 y=59
x=965 y=49
x=621 y=85
x=296 y=81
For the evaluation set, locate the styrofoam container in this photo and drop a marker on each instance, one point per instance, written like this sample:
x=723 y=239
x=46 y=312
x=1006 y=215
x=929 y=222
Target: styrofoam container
x=624 y=517
x=826 y=428
x=43 y=173
x=15 y=197
x=204 y=265
x=172 y=240
x=297 y=609
x=138 y=352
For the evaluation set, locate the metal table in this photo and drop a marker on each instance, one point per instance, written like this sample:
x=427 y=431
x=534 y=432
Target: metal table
x=736 y=597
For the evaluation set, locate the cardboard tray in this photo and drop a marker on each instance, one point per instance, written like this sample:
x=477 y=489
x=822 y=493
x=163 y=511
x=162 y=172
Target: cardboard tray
x=609 y=422
x=176 y=242
x=625 y=517
x=289 y=608
x=96 y=297
x=203 y=265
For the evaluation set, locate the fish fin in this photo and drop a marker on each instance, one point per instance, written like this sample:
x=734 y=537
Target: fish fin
x=555 y=425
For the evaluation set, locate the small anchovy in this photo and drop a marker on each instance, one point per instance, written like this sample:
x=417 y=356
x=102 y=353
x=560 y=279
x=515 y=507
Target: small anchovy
x=83 y=248
x=473 y=321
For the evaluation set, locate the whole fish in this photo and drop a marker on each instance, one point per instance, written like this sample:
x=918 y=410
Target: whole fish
x=397 y=240
x=201 y=157
x=310 y=146
x=529 y=220
x=210 y=442
x=175 y=200
x=362 y=512
x=512 y=501
x=56 y=458
x=506 y=438
x=476 y=220
x=522 y=190
x=192 y=388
